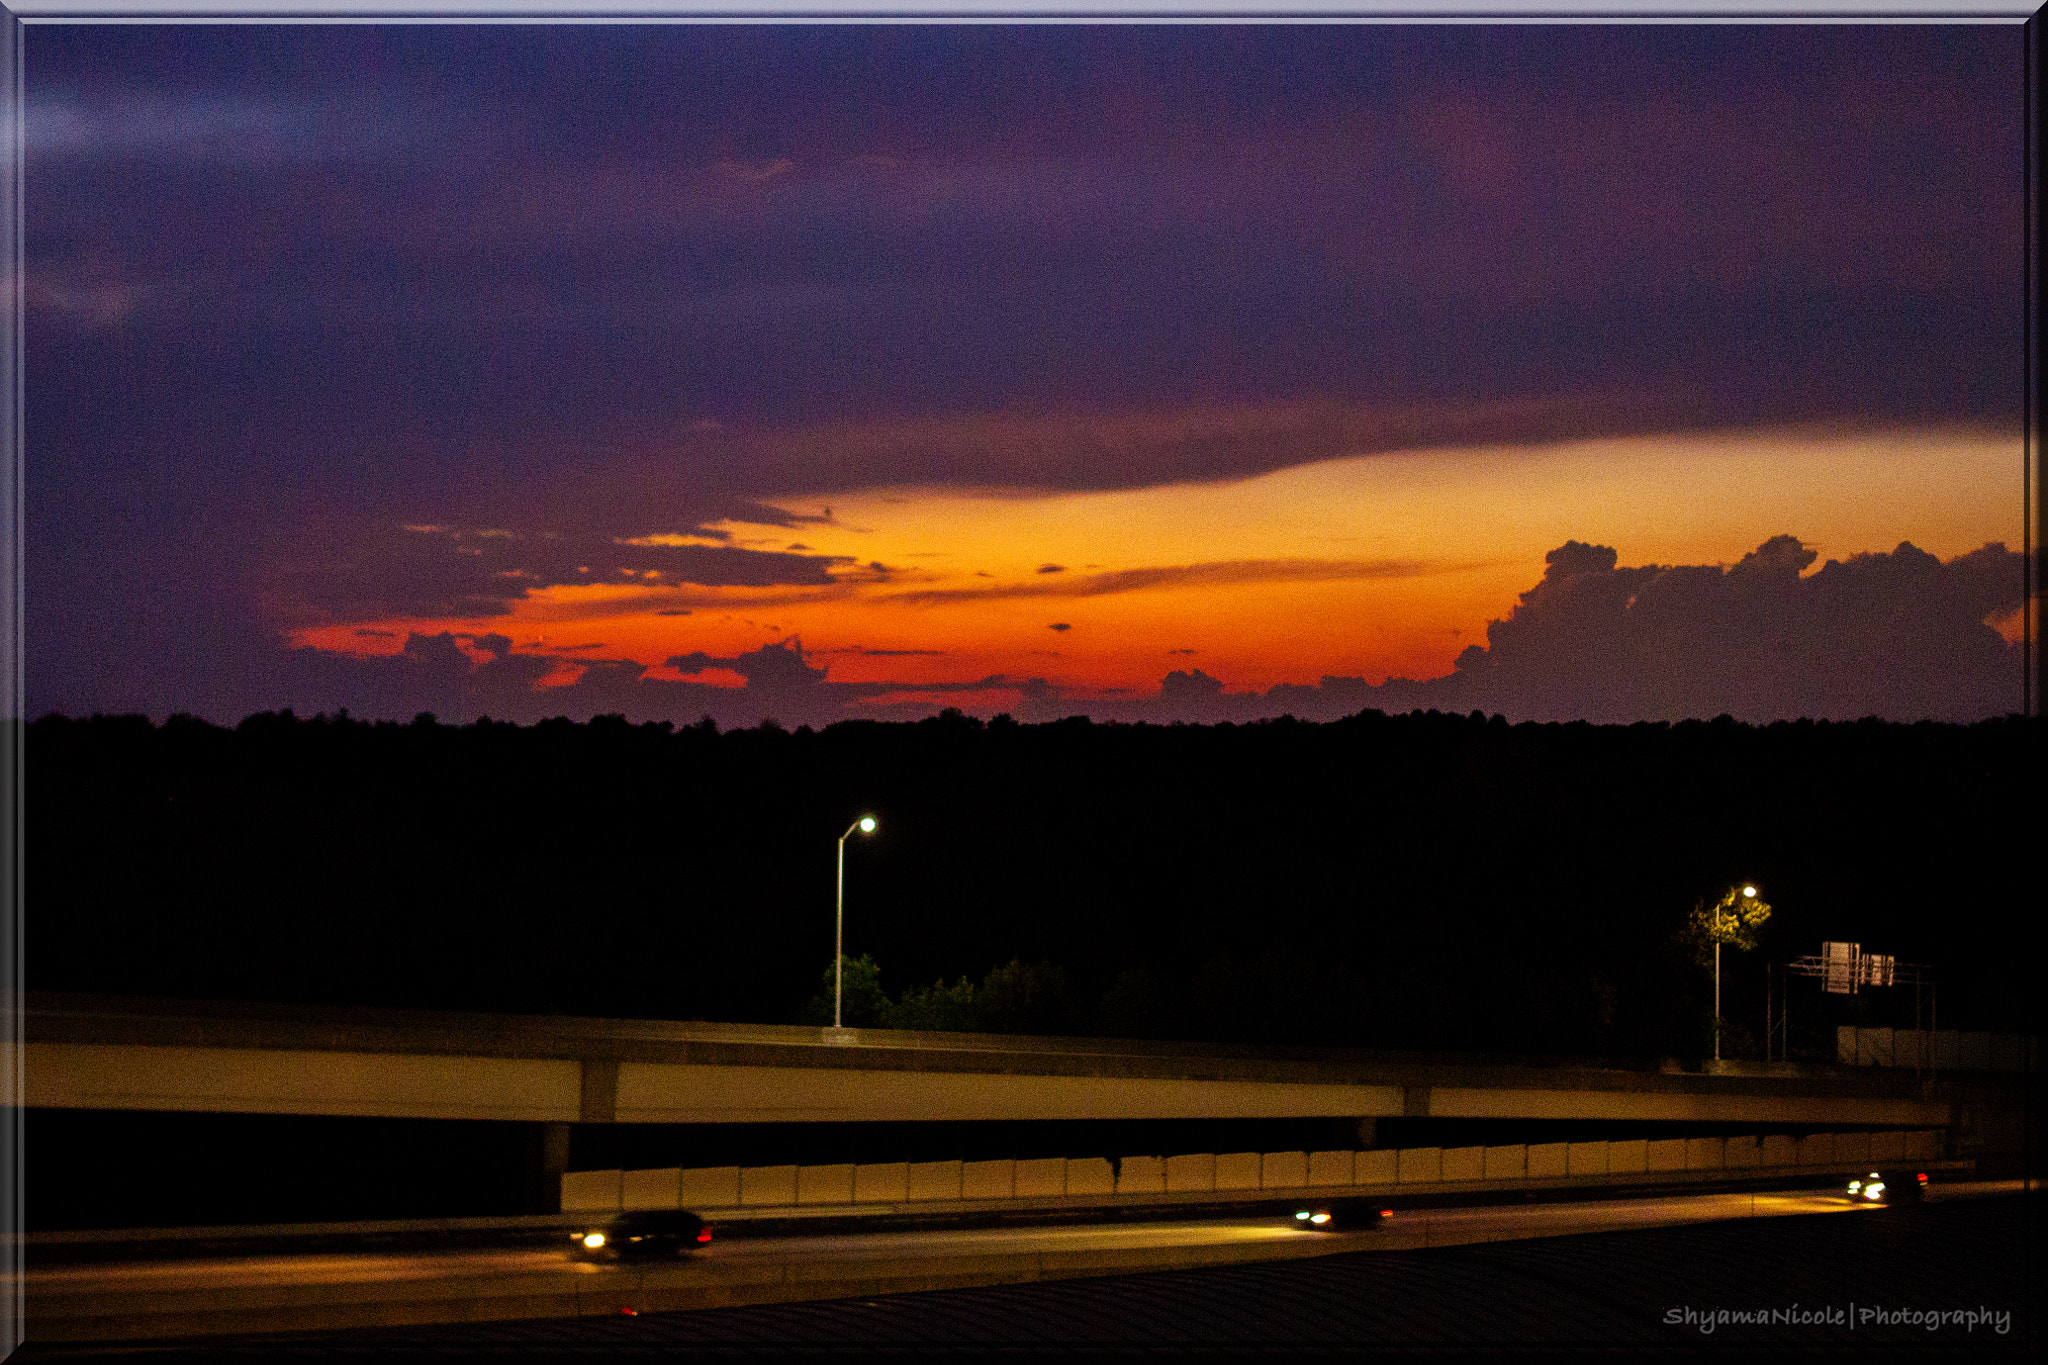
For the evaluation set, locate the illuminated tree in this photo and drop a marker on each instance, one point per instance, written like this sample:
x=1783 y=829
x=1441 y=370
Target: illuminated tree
x=1734 y=920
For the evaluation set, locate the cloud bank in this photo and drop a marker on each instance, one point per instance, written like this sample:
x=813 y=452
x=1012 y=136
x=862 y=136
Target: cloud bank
x=1898 y=635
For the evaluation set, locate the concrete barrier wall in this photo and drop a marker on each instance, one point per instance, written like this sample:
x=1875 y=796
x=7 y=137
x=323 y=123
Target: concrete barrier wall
x=711 y=1187
x=1329 y=1168
x=767 y=1185
x=1420 y=1164
x=1190 y=1173
x=1464 y=1163
x=936 y=1179
x=1940 y=1049
x=714 y=1187
x=591 y=1191
x=651 y=1189
x=824 y=1184
x=1042 y=1177
x=1873 y=1047
x=1585 y=1158
x=988 y=1179
x=1141 y=1175
x=1506 y=1163
x=1377 y=1168
x=1237 y=1171
x=1093 y=1175
x=1283 y=1170
x=887 y=1183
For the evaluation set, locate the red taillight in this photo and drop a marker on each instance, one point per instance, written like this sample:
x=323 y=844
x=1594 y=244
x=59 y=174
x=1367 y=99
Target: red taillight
x=1922 y=1177
x=628 y=1311
x=1386 y=1213
x=705 y=1235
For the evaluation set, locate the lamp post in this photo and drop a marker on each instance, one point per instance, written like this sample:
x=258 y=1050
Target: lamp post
x=866 y=825
x=1748 y=893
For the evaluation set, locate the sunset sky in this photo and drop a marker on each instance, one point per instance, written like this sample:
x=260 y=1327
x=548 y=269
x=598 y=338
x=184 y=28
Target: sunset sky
x=822 y=371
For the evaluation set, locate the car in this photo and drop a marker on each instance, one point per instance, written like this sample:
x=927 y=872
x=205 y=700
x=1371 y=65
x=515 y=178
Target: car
x=1328 y=1217
x=1889 y=1187
x=638 y=1234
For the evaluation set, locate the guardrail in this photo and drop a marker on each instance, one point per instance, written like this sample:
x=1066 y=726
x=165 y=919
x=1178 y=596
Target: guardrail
x=1139 y=1178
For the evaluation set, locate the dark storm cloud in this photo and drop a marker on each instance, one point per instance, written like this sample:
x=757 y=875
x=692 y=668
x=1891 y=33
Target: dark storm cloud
x=426 y=570
x=1899 y=635
x=581 y=244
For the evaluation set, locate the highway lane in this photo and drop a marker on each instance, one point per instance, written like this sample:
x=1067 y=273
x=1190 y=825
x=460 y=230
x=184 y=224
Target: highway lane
x=283 y=1293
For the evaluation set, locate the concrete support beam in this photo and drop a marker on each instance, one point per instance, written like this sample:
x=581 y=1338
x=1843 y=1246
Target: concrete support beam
x=262 y=1081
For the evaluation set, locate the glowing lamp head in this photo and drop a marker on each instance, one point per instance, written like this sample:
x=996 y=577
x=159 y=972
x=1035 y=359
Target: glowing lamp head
x=1750 y=892
x=1319 y=1218
x=593 y=1240
x=867 y=824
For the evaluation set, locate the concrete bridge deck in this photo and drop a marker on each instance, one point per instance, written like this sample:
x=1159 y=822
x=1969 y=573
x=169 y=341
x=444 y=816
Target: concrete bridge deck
x=88 y=1052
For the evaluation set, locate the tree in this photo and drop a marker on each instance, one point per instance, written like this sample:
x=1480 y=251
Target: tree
x=864 y=1003
x=937 y=1008
x=1026 y=998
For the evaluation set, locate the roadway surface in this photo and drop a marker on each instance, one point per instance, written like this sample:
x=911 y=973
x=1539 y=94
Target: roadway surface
x=270 y=1294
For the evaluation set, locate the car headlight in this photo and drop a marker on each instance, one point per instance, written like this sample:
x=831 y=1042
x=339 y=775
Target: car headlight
x=593 y=1240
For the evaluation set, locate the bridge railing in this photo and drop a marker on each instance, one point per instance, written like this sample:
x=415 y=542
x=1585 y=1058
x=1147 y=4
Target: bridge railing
x=1246 y=1173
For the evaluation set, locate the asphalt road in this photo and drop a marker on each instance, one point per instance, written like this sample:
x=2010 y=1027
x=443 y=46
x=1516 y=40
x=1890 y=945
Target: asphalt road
x=203 y=1298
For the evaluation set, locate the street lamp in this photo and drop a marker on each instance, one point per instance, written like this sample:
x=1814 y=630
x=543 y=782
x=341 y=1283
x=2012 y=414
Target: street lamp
x=1748 y=893
x=866 y=825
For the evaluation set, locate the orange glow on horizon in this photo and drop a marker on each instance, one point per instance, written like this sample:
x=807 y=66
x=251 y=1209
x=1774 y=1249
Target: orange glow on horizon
x=1371 y=566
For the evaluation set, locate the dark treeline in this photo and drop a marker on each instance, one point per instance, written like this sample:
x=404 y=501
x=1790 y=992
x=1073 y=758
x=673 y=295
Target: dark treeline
x=1419 y=881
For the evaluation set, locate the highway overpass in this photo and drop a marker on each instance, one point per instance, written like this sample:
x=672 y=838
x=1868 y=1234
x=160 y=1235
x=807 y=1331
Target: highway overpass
x=87 y=1052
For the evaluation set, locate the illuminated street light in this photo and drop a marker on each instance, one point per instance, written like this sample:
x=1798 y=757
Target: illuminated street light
x=866 y=825
x=1748 y=893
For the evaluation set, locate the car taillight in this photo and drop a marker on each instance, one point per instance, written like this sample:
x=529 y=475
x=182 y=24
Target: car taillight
x=705 y=1235
x=1922 y=1177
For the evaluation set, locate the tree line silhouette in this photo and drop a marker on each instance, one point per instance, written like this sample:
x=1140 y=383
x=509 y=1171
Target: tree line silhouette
x=1410 y=881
